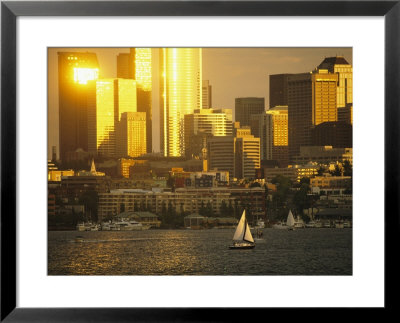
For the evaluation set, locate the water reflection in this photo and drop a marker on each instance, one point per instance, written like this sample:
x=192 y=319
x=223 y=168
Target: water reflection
x=206 y=252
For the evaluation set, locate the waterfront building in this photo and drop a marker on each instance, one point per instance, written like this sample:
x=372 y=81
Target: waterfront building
x=136 y=65
x=202 y=125
x=189 y=200
x=245 y=107
x=278 y=89
x=74 y=71
x=180 y=94
x=131 y=134
x=111 y=98
x=311 y=101
x=207 y=95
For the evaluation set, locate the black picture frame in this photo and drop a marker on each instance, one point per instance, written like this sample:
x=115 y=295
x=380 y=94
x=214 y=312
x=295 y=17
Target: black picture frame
x=10 y=10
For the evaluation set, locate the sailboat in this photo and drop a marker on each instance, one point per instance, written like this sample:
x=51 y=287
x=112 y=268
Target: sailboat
x=242 y=239
x=289 y=225
x=290 y=221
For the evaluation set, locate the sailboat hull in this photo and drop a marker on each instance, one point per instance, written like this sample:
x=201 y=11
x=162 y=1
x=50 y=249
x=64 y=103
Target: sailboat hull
x=242 y=245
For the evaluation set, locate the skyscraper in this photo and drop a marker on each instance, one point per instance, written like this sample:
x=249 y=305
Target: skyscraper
x=247 y=154
x=340 y=66
x=204 y=124
x=311 y=101
x=180 y=94
x=245 y=107
x=110 y=98
x=278 y=94
x=272 y=129
x=136 y=65
x=207 y=95
x=131 y=134
x=277 y=143
x=74 y=71
x=238 y=154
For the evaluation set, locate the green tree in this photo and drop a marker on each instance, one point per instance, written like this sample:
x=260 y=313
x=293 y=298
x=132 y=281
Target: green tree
x=223 y=209
x=209 y=209
x=230 y=209
x=347 y=168
x=122 y=207
x=202 y=209
x=301 y=198
x=337 y=171
x=90 y=200
x=171 y=182
x=321 y=170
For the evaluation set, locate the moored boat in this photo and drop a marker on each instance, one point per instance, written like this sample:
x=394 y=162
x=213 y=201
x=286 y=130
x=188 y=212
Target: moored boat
x=131 y=225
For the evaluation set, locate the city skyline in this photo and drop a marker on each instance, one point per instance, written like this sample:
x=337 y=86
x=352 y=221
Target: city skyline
x=231 y=72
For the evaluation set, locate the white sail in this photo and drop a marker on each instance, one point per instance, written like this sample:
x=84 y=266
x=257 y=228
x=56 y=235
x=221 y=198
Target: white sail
x=247 y=235
x=243 y=231
x=290 y=219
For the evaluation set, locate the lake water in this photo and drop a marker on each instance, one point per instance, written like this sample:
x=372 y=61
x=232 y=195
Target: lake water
x=200 y=252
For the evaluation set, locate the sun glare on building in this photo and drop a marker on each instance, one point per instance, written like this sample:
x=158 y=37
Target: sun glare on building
x=83 y=75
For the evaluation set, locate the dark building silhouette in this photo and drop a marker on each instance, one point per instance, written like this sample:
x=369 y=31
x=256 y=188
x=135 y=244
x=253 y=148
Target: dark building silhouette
x=245 y=107
x=346 y=114
x=278 y=89
x=336 y=134
x=126 y=65
x=74 y=71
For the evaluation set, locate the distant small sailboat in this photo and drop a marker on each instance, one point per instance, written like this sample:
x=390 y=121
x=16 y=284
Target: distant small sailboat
x=242 y=239
x=290 y=221
x=289 y=225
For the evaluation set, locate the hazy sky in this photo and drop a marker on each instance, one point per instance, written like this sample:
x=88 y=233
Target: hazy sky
x=232 y=72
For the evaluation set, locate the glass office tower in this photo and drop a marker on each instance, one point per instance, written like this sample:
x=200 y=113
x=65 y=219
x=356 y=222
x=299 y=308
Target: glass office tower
x=180 y=94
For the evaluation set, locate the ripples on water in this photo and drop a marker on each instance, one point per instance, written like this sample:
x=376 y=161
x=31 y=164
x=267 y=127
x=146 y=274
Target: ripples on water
x=200 y=252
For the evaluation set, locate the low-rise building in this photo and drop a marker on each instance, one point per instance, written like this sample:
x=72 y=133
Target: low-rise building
x=188 y=200
x=323 y=155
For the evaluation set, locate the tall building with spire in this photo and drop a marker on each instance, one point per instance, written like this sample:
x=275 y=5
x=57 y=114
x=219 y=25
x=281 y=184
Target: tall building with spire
x=137 y=65
x=180 y=94
x=75 y=69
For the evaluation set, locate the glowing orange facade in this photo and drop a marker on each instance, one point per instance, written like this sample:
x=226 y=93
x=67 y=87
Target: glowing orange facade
x=180 y=90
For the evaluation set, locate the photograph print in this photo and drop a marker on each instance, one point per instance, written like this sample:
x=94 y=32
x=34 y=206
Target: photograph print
x=200 y=161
